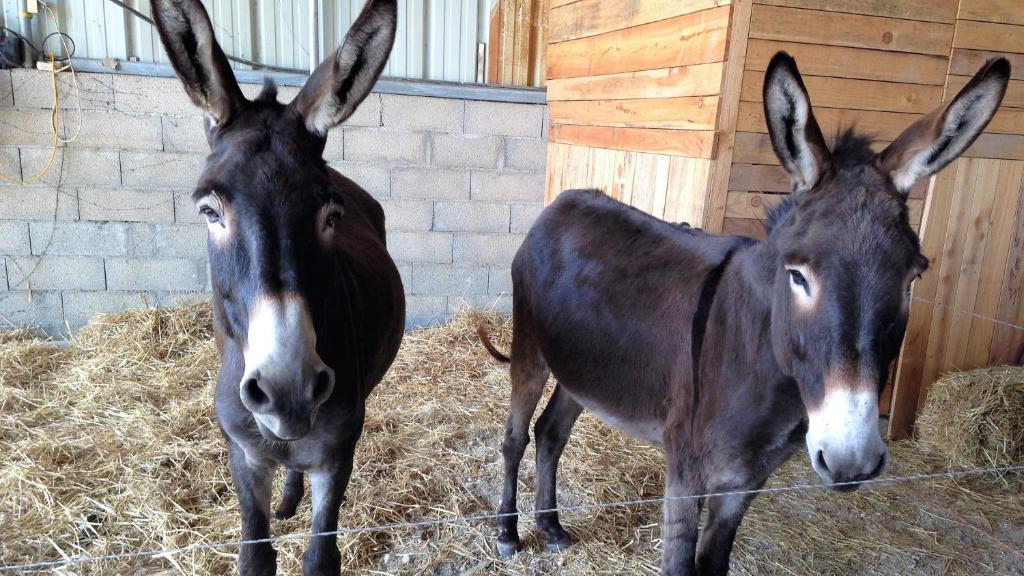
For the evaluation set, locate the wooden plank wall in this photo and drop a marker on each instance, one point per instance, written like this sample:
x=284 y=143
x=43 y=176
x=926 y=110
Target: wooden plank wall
x=633 y=93
x=967 y=303
x=660 y=104
x=516 y=43
x=877 y=65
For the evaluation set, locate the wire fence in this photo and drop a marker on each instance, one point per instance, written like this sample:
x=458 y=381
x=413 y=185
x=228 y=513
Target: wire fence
x=456 y=519
x=453 y=519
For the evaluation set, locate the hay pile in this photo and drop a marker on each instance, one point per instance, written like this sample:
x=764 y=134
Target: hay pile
x=110 y=445
x=976 y=418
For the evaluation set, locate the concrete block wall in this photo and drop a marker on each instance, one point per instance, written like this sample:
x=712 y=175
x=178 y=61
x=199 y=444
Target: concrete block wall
x=111 y=226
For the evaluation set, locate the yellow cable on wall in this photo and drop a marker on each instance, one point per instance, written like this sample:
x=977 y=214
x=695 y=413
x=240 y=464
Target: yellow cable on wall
x=53 y=126
x=54 y=116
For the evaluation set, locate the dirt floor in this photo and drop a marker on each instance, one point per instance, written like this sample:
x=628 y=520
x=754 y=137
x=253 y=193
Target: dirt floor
x=110 y=445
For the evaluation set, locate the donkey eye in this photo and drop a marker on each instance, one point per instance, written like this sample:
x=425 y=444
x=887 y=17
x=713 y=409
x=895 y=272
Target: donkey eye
x=331 y=219
x=334 y=213
x=211 y=215
x=798 y=280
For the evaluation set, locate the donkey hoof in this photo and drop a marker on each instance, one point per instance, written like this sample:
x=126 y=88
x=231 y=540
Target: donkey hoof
x=285 y=511
x=560 y=542
x=559 y=546
x=508 y=548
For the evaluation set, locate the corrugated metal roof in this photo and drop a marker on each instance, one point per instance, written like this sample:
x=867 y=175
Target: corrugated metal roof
x=437 y=39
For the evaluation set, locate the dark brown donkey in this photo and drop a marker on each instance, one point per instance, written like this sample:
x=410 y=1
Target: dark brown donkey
x=727 y=351
x=308 y=306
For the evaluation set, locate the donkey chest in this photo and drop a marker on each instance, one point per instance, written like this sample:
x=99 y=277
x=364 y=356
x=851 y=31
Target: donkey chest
x=312 y=453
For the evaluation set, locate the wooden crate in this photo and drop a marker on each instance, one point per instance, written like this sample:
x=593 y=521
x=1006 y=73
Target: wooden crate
x=659 y=104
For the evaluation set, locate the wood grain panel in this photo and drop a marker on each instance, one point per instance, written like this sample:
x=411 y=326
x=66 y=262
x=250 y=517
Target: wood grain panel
x=989 y=36
x=691 y=39
x=947 y=271
x=858 y=63
x=751 y=205
x=968 y=62
x=756 y=148
x=718 y=189
x=881 y=125
x=757 y=204
x=853 y=30
x=993 y=265
x=668 y=187
x=691 y=143
x=1007 y=121
x=516 y=43
x=1007 y=341
x=855 y=94
x=642 y=196
x=1014 y=97
x=521 y=43
x=926 y=10
x=910 y=368
x=772 y=178
x=676 y=205
x=555 y=170
x=744 y=227
x=662 y=164
x=759 y=178
x=887 y=126
x=695 y=113
x=978 y=227
x=696 y=80
x=621 y=174
x=1003 y=11
x=592 y=17
x=688 y=182
x=1002 y=146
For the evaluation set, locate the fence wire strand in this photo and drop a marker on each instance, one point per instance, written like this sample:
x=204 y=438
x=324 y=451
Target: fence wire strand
x=956 y=310
x=167 y=552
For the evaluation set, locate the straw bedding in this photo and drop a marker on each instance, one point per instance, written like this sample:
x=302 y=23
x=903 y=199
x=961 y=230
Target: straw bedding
x=111 y=445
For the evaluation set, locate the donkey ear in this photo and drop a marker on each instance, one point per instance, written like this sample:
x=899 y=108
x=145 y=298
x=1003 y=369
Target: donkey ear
x=938 y=138
x=795 y=135
x=188 y=38
x=343 y=80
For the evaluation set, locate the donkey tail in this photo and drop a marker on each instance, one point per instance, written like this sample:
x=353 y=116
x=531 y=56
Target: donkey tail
x=486 y=341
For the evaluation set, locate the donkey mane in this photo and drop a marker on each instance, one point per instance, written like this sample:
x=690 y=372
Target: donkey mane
x=269 y=92
x=850 y=149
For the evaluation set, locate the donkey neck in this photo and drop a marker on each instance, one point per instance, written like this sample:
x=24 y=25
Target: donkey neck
x=741 y=318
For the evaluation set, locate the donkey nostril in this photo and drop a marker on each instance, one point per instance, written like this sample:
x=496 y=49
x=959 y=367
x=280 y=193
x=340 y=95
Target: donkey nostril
x=255 y=395
x=324 y=385
x=819 y=459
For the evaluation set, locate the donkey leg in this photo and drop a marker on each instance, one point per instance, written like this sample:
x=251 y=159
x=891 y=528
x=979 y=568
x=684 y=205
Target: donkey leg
x=724 y=516
x=328 y=490
x=291 y=495
x=253 y=481
x=680 y=514
x=552 y=433
x=529 y=373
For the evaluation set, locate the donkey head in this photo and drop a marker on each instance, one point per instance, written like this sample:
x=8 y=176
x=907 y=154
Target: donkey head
x=847 y=257
x=274 y=217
